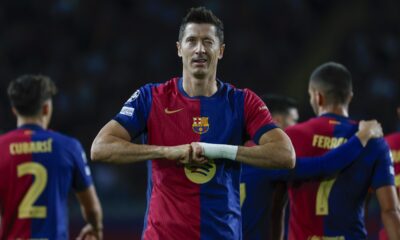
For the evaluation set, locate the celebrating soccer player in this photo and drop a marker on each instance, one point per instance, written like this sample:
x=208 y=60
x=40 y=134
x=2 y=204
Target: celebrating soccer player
x=393 y=140
x=259 y=188
x=192 y=127
x=333 y=208
x=38 y=167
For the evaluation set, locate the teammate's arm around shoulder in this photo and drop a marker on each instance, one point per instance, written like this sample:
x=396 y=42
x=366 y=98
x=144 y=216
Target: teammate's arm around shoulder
x=274 y=151
x=92 y=213
x=390 y=212
x=113 y=144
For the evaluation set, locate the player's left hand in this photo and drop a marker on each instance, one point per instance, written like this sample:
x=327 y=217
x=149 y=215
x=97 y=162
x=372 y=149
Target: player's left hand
x=198 y=153
x=89 y=233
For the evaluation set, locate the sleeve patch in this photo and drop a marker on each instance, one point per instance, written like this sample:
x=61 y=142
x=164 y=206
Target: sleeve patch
x=127 y=111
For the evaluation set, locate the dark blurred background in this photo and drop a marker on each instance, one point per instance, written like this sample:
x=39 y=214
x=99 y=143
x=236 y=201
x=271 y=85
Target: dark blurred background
x=100 y=52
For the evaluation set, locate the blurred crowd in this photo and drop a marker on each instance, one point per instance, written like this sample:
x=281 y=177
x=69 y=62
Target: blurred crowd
x=99 y=52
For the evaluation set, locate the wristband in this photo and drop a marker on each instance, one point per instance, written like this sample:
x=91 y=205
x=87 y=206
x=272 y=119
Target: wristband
x=214 y=151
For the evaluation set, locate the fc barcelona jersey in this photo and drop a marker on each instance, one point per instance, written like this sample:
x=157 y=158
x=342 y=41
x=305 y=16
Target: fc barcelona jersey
x=37 y=169
x=193 y=201
x=333 y=208
x=394 y=144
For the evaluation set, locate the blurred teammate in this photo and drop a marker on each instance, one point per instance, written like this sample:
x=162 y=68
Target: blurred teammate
x=38 y=168
x=393 y=140
x=200 y=199
x=333 y=208
x=259 y=189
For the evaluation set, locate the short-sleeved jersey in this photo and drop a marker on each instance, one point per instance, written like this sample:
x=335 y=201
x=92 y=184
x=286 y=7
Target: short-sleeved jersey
x=258 y=185
x=37 y=169
x=256 y=189
x=193 y=201
x=333 y=207
x=393 y=141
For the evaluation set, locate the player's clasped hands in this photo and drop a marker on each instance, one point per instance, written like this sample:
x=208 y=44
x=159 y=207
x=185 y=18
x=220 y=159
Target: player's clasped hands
x=187 y=153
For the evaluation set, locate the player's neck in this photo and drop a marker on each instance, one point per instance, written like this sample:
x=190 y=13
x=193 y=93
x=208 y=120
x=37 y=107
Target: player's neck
x=338 y=110
x=40 y=121
x=195 y=87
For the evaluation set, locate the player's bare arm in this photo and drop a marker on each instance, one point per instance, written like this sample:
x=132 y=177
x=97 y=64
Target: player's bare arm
x=92 y=213
x=113 y=144
x=275 y=151
x=390 y=212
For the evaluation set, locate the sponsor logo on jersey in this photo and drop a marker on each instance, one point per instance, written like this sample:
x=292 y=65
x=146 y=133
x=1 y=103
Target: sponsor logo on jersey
x=31 y=147
x=168 y=111
x=127 y=111
x=200 y=125
x=326 y=142
x=200 y=173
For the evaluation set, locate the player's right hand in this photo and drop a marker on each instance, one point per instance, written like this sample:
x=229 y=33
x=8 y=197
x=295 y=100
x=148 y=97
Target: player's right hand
x=180 y=153
x=89 y=233
x=369 y=129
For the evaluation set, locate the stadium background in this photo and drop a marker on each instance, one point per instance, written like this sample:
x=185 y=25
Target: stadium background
x=99 y=52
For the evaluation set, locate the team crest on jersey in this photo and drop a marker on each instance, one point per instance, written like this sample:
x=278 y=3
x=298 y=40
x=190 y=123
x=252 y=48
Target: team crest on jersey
x=200 y=173
x=200 y=125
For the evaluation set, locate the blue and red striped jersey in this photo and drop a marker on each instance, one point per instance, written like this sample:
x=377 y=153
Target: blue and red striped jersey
x=334 y=207
x=258 y=185
x=37 y=170
x=192 y=201
x=393 y=141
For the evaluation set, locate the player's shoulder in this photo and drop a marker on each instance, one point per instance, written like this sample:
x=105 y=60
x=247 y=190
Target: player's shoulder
x=302 y=127
x=62 y=139
x=170 y=86
x=9 y=135
x=377 y=145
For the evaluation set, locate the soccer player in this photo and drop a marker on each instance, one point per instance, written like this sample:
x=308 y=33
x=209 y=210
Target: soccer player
x=258 y=186
x=193 y=127
x=38 y=167
x=393 y=140
x=333 y=208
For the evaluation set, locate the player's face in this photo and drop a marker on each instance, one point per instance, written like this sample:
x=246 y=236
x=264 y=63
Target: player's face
x=200 y=50
x=291 y=118
x=286 y=120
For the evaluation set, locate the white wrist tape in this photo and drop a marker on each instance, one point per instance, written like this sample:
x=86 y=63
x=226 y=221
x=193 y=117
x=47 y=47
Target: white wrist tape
x=219 y=151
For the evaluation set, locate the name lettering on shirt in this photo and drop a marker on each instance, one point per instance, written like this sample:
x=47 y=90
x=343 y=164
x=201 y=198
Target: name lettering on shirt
x=31 y=147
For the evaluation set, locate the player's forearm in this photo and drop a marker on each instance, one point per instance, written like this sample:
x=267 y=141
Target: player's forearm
x=113 y=149
x=391 y=221
x=91 y=207
x=277 y=154
x=94 y=217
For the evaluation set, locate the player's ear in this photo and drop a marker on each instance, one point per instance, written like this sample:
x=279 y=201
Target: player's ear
x=14 y=111
x=221 y=50
x=320 y=98
x=46 y=108
x=398 y=112
x=178 y=47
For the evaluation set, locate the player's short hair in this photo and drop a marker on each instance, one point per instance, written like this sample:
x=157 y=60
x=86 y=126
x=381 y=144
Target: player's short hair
x=27 y=93
x=279 y=104
x=334 y=81
x=202 y=15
